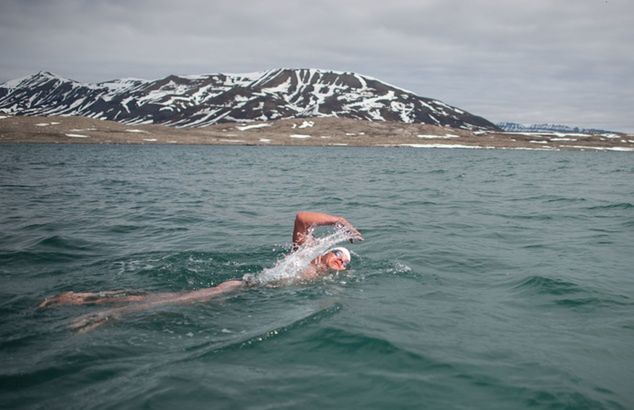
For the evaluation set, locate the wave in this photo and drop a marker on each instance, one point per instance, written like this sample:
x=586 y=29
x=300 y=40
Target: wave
x=563 y=399
x=253 y=337
x=592 y=301
x=569 y=294
x=629 y=223
x=49 y=249
x=358 y=343
x=619 y=205
x=58 y=242
x=549 y=286
x=565 y=200
x=530 y=217
x=35 y=257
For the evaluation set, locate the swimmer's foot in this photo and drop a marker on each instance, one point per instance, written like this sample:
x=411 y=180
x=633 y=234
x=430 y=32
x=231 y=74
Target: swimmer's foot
x=66 y=298
x=87 y=323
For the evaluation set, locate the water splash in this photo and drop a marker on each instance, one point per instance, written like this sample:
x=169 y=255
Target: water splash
x=294 y=264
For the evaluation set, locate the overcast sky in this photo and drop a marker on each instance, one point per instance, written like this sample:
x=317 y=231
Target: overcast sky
x=528 y=61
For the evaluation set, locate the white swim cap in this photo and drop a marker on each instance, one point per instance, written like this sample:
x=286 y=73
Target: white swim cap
x=344 y=251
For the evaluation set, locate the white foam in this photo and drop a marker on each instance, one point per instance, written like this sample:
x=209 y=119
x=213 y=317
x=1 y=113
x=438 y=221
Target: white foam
x=294 y=264
x=2 y=117
x=307 y=124
x=150 y=139
x=538 y=142
x=77 y=136
x=299 y=136
x=136 y=131
x=265 y=140
x=42 y=124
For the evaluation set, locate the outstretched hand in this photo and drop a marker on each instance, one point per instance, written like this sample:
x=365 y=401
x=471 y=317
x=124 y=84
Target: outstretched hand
x=347 y=227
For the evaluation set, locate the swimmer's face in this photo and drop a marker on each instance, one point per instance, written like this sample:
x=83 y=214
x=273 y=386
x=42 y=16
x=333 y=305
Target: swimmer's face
x=336 y=260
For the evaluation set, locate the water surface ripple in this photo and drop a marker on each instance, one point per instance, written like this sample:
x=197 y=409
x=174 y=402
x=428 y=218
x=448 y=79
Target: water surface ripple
x=488 y=279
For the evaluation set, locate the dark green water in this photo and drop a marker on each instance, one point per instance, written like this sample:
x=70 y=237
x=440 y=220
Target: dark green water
x=488 y=279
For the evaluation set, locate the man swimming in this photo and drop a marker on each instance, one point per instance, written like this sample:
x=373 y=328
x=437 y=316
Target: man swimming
x=335 y=259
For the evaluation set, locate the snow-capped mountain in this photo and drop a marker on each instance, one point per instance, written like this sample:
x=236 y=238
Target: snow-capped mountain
x=198 y=101
x=515 y=127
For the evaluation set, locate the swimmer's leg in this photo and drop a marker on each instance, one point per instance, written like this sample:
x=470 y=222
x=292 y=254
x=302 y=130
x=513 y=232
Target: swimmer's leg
x=91 y=321
x=83 y=298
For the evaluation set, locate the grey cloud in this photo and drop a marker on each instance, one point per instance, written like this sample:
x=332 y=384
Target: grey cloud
x=529 y=61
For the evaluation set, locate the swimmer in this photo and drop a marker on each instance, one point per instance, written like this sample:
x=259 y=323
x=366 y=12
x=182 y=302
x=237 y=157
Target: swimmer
x=335 y=259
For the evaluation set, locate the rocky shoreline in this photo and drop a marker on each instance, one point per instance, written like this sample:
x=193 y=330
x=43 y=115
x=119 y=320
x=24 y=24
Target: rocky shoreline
x=322 y=132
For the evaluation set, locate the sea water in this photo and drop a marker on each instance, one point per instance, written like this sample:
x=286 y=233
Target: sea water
x=488 y=279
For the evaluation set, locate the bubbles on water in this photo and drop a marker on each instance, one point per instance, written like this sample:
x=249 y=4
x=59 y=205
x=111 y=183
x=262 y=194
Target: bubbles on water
x=123 y=267
x=399 y=267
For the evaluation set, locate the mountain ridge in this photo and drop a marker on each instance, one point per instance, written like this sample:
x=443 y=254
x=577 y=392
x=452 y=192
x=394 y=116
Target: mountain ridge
x=545 y=127
x=207 y=99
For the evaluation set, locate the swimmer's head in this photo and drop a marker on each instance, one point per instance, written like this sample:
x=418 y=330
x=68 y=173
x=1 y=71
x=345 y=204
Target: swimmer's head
x=337 y=258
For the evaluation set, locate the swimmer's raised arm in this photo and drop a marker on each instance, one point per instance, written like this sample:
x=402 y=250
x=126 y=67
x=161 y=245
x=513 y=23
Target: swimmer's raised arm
x=306 y=221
